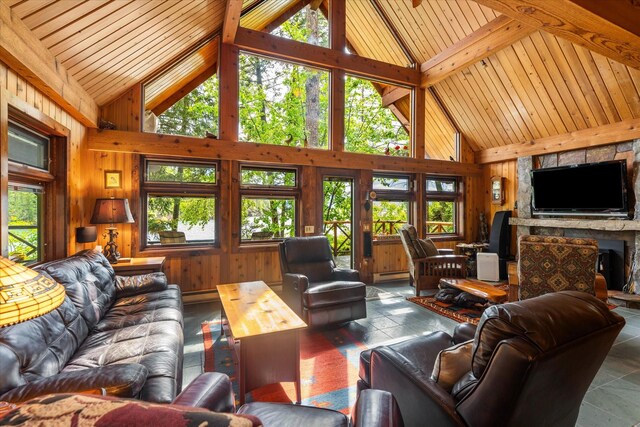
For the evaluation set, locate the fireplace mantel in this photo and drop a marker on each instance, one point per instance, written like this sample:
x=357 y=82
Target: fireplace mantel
x=584 y=224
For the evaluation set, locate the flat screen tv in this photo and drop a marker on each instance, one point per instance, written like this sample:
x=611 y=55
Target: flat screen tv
x=592 y=189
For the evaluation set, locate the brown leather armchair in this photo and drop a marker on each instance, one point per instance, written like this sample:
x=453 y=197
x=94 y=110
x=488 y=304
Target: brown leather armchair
x=530 y=363
x=314 y=288
x=427 y=264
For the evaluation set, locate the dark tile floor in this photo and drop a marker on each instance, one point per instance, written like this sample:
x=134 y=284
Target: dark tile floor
x=612 y=400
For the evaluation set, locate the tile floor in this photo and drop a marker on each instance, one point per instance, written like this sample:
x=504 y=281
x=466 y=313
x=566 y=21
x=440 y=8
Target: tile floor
x=612 y=400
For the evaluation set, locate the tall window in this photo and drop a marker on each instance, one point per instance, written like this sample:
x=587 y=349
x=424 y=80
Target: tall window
x=442 y=205
x=283 y=103
x=179 y=202
x=268 y=203
x=391 y=207
x=28 y=178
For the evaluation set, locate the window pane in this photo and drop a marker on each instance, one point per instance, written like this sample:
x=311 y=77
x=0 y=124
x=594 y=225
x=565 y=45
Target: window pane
x=388 y=217
x=180 y=172
x=306 y=26
x=267 y=218
x=268 y=177
x=28 y=147
x=180 y=220
x=25 y=227
x=196 y=114
x=283 y=103
x=371 y=127
x=441 y=185
x=390 y=183
x=440 y=217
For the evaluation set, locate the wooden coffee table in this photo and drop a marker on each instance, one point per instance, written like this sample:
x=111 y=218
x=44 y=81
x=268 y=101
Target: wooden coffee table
x=477 y=288
x=264 y=334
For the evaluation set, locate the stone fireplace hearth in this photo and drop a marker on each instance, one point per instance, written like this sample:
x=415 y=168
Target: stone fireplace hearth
x=601 y=229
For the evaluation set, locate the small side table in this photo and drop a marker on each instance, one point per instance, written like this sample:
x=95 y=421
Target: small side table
x=139 y=266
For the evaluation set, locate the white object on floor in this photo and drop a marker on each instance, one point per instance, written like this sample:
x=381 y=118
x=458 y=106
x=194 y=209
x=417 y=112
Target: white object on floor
x=488 y=269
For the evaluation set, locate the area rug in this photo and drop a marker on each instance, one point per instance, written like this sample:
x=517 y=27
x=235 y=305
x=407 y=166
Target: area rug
x=459 y=314
x=329 y=363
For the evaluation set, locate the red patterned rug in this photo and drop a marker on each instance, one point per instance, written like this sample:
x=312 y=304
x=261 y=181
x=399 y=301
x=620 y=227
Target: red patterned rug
x=459 y=314
x=328 y=363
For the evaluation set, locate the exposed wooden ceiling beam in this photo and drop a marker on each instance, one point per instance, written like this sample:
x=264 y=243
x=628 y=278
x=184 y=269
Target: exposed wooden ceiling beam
x=393 y=93
x=21 y=50
x=492 y=37
x=609 y=28
x=315 y=4
x=601 y=135
x=231 y=20
x=190 y=147
x=263 y=43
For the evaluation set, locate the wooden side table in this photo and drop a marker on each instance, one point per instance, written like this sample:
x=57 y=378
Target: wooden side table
x=139 y=266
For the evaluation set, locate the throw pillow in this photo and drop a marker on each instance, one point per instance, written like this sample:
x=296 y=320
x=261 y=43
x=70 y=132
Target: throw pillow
x=428 y=247
x=451 y=364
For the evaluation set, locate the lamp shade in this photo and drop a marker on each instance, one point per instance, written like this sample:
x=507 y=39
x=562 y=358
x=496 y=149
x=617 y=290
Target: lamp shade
x=25 y=293
x=111 y=211
x=86 y=234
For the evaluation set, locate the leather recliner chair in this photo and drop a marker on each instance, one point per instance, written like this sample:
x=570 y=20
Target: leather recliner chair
x=530 y=363
x=314 y=288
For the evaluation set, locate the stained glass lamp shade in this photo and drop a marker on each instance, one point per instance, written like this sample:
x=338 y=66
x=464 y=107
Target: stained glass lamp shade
x=25 y=293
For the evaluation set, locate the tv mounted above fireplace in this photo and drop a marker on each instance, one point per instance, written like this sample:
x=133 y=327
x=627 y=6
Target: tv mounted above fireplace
x=591 y=189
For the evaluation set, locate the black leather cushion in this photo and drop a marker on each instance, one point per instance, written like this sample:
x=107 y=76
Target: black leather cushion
x=310 y=256
x=284 y=415
x=322 y=294
x=421 y=351
x=521 y=319
x=88 y=279
x=40 y=347
x=145 y=308
x=157 y=346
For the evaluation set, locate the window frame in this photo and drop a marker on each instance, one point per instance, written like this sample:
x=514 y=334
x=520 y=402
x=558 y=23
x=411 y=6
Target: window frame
x=177 y=189
x=445 y=196
x=268 y=192
x=389 y=195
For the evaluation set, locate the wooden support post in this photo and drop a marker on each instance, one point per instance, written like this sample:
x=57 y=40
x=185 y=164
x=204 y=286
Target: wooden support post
x=338 y=41
x=231 y=20
x=229 y=92
x=4 y=171
x=418 y=123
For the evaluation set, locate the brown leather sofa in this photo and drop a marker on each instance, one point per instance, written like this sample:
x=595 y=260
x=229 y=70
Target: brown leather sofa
x=202 y=403
x=120 y=334
x=530 y=363
x=314 y=288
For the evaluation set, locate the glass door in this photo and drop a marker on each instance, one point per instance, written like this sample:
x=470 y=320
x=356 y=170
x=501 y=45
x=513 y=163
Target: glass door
x=337 y=217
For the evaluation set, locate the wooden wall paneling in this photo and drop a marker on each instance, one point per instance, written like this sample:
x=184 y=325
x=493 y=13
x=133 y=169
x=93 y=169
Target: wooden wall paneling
x=226 y=204
x=4 y=171
x=389 y=257
x=597 y=83
x=309 y=200
x=626 y=86
x=363 y=184
x=418 y=123
x=611 y=85
x=125 y=110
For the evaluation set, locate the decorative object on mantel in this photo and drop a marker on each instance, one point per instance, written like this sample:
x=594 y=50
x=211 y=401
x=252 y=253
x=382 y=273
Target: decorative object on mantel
x=111 y=211
x=497 y=190
x=25 y=293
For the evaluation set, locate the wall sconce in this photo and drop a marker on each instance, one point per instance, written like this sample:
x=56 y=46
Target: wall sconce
x=371 y=196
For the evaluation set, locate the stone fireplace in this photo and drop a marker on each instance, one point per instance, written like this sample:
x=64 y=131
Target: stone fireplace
x=617 y=233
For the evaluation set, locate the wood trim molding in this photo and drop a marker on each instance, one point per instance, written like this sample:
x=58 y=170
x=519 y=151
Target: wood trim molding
x=602 y=135
x=191 y=147
x=278 y=47
x=231 y=20
x=21 y=50
x=609 y=28
x=492 y=37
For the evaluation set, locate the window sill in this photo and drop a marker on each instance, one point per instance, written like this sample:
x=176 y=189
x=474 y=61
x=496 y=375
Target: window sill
x=178 y=250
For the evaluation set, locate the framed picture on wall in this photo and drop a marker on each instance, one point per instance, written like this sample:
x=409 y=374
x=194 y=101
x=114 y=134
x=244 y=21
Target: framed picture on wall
x=112 y=179
x=497 y=190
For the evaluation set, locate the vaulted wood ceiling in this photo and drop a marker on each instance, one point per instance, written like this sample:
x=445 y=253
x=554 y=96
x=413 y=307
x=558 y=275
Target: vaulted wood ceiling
x=538 y=86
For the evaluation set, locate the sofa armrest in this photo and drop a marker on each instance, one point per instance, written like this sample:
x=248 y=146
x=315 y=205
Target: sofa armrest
x=464 y=332
x=376 y=408
x=296 y=282
x=212 y=391
x=140 y=284
x=123 y=380
x=446 y=251
x=345 y=274
x=419 y=397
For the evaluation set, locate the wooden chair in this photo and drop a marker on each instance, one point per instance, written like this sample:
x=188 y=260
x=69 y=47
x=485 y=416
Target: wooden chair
x=428 y=264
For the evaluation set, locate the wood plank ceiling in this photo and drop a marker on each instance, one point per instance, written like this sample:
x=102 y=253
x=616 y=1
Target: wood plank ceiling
x=539 y=86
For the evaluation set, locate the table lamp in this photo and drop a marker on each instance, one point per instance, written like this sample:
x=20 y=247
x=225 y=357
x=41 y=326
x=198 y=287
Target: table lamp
x=25 y=293
x=111 y=211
